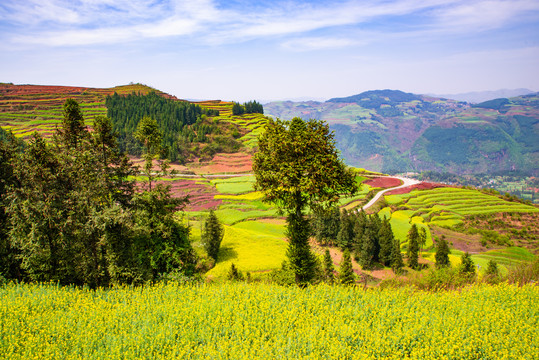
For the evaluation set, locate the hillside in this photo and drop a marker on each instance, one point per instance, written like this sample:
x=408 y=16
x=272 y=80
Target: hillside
x=393 y=131
x=28 y=108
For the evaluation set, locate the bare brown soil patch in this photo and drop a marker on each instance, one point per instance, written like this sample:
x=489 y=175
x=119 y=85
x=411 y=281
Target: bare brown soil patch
x=224 y=163
x=460 y=241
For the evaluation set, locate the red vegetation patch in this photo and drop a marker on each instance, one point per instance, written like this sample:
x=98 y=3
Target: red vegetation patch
x=227 y=163
x=201 y=196
x=383 y=182
x=420 y=186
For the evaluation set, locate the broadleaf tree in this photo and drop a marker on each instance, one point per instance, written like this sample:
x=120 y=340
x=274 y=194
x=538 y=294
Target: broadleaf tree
x=298 y=168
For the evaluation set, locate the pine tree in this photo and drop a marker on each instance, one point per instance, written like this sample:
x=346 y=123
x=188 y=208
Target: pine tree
x=492 y=269
x=329 y=269
x=234 y=273
x=467 y=266
x=413 y=247
x=366 y=256
x=396 y=257
x=346 y=274
x=386 y=242
x=442 y=253
x=212 y=235
x=73 y=128
x=345 y=237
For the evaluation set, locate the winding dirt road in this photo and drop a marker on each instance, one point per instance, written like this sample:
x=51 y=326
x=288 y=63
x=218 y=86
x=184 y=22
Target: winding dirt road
x=405 y=182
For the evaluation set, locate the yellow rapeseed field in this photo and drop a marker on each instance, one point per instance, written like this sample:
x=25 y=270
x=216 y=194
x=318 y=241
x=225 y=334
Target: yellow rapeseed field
x=261 y=321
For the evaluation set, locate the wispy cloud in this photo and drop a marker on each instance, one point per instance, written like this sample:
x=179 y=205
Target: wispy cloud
x=84 y=22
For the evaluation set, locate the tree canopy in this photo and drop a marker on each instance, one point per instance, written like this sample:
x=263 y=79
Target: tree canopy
x=297 y=167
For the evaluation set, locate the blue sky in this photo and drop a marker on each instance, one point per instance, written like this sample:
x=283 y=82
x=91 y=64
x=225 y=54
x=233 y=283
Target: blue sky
x=267 y=50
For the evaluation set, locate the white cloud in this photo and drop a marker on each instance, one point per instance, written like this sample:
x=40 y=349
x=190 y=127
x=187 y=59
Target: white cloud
x=84 y=22
x=318 y=43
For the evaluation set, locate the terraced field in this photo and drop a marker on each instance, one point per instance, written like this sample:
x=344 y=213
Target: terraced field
x=28 y=108
x=446 y=206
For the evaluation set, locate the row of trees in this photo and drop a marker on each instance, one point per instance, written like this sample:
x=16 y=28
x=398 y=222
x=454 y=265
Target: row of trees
x=369 y=238
x=250 y=107
x=71 y=213
x=179 y=122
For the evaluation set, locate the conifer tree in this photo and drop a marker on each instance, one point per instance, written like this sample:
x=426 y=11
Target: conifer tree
x=212 y=235
x=396 y=257
x=234 y=273
x=366 y=257
x=492 y=269
x=442 y=253
x=346 y=274
x=413 y=247
x=73 y=128
x=345 y=237
x=467 y=266
x=387 y=240
x=329 y=268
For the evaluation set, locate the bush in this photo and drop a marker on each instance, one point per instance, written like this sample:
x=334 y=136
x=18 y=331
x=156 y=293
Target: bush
x=527 y=272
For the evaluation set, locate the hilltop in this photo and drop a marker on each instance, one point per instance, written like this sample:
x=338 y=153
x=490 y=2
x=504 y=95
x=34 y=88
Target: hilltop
x=394 y=131
x=28 y=108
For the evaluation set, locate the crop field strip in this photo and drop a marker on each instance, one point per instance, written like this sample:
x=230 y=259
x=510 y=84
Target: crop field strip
x=267 y=322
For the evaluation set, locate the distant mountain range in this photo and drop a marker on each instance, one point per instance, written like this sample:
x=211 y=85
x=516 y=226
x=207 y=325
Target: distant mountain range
x=480 y=96
x=390 y=130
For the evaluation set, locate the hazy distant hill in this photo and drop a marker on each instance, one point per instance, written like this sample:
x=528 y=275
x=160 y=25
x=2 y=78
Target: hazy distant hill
x=480 y=96
x=391 y=130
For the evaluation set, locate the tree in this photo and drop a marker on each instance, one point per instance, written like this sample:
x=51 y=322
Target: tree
x=73 y=128
x=346 y=274
x=387 y=240
x=329 y=269
x=326 y=223
x=467 y=266
x=234 y=274
x=238 y=109
x=442 y=253
x=297 y=167
x=396 y=257
x=492 y=269
x=345 y=236
x=413 y=247
x=10 y=264
x=212 y=235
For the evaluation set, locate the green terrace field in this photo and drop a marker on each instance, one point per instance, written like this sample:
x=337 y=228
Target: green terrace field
x=447 y=206
x=263 y=321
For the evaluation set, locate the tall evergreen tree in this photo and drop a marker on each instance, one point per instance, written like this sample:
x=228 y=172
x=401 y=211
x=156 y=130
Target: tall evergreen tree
x=467 y=266
x=413 y=247
x=326 y=224
x=396 y=257
x=387 y=240
x=329 y=268
x=442 y=253
x=346 y=274
x=212 y=235
x=345 y=236
x=73 y=128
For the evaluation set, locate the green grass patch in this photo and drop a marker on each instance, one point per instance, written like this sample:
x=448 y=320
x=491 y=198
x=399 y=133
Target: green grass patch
x=251 y=246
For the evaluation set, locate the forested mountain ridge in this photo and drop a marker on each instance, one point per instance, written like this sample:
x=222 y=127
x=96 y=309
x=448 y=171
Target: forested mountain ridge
x=390 y=130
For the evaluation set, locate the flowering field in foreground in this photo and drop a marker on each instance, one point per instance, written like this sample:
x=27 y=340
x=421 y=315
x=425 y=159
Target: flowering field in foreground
x=259 y=321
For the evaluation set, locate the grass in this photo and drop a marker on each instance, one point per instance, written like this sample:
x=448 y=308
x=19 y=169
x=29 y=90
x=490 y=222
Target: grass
x=252 y=246
x=260 y=321
x=234 y=185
